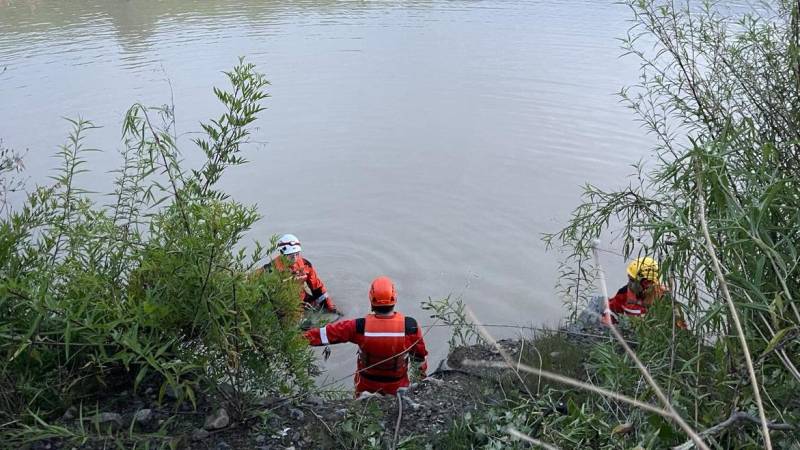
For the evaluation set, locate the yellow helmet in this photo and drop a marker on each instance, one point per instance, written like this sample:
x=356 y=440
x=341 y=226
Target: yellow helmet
x=643 y=268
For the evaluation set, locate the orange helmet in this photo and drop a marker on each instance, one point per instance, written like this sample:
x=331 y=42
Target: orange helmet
x=382 y=292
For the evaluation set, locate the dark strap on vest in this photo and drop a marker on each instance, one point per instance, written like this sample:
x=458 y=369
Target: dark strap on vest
x=411 y=326
x=361 y=323
x=380 y=378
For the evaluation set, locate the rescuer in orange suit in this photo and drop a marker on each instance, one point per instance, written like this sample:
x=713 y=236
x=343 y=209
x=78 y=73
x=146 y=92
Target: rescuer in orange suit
x=386 y=341
x=316 y=295
x=642 y=290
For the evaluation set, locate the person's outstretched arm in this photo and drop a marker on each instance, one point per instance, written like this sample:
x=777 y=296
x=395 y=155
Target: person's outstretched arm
x=332 y=333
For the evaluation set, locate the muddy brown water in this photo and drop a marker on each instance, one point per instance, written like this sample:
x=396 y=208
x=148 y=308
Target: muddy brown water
x=432 y=141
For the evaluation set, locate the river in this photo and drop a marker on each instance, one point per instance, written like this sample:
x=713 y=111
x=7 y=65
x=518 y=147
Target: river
x=432 y=141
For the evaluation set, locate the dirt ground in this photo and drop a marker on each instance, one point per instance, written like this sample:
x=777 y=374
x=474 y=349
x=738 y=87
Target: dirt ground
x=309 y=422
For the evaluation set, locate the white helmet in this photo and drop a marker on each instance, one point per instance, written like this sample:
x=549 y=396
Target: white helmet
x=288 y=244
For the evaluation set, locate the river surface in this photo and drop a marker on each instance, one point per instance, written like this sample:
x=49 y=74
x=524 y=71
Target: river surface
x=432 y=141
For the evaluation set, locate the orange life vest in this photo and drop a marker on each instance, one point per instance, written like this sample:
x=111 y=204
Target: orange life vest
x=382 y=348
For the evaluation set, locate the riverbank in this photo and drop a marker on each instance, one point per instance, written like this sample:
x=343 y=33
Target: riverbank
x=430 y=411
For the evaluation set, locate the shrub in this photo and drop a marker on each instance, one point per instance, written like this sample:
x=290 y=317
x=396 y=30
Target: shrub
x=149 y=288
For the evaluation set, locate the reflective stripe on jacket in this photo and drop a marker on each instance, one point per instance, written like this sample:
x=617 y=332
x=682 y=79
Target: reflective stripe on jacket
x=626 y=302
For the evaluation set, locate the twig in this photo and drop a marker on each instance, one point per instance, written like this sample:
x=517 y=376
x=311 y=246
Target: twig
x=736 y=416
x=659 y=393
x=574 y=383
x=514 y=432
x=499 y=348
x=701 y=206
x=327 y=427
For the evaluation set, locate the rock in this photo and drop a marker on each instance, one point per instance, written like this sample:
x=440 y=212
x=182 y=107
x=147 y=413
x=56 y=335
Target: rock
x=143 y=416
x=314 y=400
x=70 y=413
x=107 y=419
x=200 y=434
x=219 y=419
x=296 y=414
x=222 y=445
x=341 y=412
x=260 y=439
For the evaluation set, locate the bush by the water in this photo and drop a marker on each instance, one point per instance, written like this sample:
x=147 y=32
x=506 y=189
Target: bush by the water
x=148 y=288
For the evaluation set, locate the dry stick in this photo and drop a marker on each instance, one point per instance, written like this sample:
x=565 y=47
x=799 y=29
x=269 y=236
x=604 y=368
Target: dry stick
x=503 y=353
x=701 y=206
x=736 y=416
x=574 y=383
x=659 y=393
x=514 y=432
x=669 y=413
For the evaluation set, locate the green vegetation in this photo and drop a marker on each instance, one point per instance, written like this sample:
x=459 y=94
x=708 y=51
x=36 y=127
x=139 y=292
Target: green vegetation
x=145 y=290
x=149 y=290
x=720 y=208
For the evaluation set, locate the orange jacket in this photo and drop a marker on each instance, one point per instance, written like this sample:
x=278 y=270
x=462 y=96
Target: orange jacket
x=626 y=302
x=304 y=273
x=384 y=342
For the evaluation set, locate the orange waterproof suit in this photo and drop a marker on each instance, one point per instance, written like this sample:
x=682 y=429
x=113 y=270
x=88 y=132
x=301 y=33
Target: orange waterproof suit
x=628 y=303
x=301 y=270
x=385 y=344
